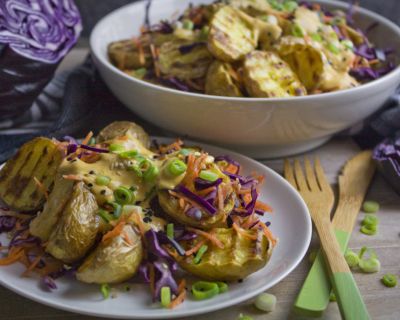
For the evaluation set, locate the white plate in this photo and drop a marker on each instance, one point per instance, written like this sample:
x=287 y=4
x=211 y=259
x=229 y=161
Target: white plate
x=291 y=223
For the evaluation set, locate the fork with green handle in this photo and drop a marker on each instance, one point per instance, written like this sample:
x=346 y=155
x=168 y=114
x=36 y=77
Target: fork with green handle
x=353 y=184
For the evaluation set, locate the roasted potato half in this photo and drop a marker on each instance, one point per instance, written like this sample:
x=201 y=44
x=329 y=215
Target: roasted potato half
x=232 y=34
x=267 y=75
x=121 y=128
x=76 y=230
x=114 y=260
x=125 y=55
x=219 y=81
x=38 y=158
x=240 y=256
x=252 y=7
x=184 y=59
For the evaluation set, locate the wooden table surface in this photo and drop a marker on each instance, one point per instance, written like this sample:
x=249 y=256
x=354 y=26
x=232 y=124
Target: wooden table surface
x=382 y=302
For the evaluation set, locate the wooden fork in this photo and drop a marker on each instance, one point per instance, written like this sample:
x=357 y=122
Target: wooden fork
x=318 y=195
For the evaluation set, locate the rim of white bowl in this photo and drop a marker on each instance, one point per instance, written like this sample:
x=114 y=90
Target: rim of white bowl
x=391 y=76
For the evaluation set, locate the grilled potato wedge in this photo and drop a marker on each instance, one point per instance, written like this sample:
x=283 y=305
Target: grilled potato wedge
x=122 y=128
x=266 y=75
x=305 y=59
x=125 y=55
x=43 y=224
x=76 y=230
x=184 y=59
x=219 y=81
x=114 y=260
x=38 y=158
x=252 y=7
x=232 y=34
x=240 y=257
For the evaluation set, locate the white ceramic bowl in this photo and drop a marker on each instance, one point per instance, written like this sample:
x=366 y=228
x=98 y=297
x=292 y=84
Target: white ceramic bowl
x=258 y=127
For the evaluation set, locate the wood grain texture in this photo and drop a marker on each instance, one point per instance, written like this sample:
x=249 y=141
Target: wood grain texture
x=382 y=302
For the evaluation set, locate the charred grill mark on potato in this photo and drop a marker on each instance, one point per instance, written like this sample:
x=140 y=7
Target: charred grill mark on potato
x=219 y=80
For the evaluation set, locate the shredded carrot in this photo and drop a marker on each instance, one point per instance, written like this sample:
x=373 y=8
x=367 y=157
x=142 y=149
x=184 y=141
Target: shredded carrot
x=72 y=177
x=182 y=285
x=91 y=158
x=247 y=198
x=208 y=236
x=263 y=206
x=343 y=30
x=181 y=203
x=138 y=221
x=176 y=145
x=231 y=168
x=33 y=265
x=172 y=253
x=127 y=238
x=268 y=233
x=243 y=232
x=116 y=231
x=178 y=300
x=195 y=248
x=206 y=191
x=41 y=187
x=13 y=255
x=221 y=198
x=123 y=138
x=177 y=195
x=375 y=61
x=88 y=137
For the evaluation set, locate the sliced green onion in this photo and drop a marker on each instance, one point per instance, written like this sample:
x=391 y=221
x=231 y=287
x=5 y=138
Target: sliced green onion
x=117 y=209
x=389 y=280
x=203 y=34
x=370 y=265
x=369 y=220
x=140 y=73
x=333 y=48
x=370 y=206
x=105 y=290
x=222 y=286
x=151 y=173
x=200 y=253
x=352 y=258
x=316 y=37
x=312 y=256
x=332 y=297
x=170 y=230
x=165 y=296
x=116 y=148
x=202 y=290
x=102 y=180
x=290 y=6
x=369 y=230
x=244 y=317
x=208 y=175
x=176 y=167
x=297 y=31
x=136 y=170
x=187 y=24
x=128 y=154
x=105 y=215
x=123 y=195
x=347 y=44
x=265 y=302
x=185 y=152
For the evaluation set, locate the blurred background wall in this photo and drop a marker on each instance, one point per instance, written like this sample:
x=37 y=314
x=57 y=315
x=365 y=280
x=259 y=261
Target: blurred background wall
x=93 y=10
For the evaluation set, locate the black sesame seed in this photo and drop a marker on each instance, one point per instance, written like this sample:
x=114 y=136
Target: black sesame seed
x=103 y=192
x=90 y=185
x=146 y=219
x=91 y=172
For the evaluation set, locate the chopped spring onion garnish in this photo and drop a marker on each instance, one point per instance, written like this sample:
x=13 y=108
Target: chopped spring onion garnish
x=332 y=297
x=348 y=44
x=333 y=48
x=117 y=209
x=199 y=254
x=137 y=170
x=116 y=148
x=176 y=167
x=123 y=195
x=352 y=258
x=185 y=152
x=102 y=180
x=105 y=215
x=316 y=37
x=297 y=31
x=208 y=175
x=371 y=264
x=389 y=280
x=370 y=206
x=369 y=230
x=187 y=24
x=165 y=296
x=140 y=73
x=244 y=317
x=369 y=220
x=312 y=256
x=151 y=173
x=128 y=154
x=170 y=230
x=290 y=6
x=202 y=290
x=265 y=302
x=222 y=286
x=105 y=290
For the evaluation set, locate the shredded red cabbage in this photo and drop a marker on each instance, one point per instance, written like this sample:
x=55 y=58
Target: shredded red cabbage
x=40 y=30
x=203 y=203
x=94 y=149
x=18 y=241
x=228 y=159
x=49 y=283
x=194 y=213
x=201 y=184
x=185 y=49
x=175 y=83
x=7 y=223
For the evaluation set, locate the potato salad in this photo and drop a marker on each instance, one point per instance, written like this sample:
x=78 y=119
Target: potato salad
x=253 y=48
